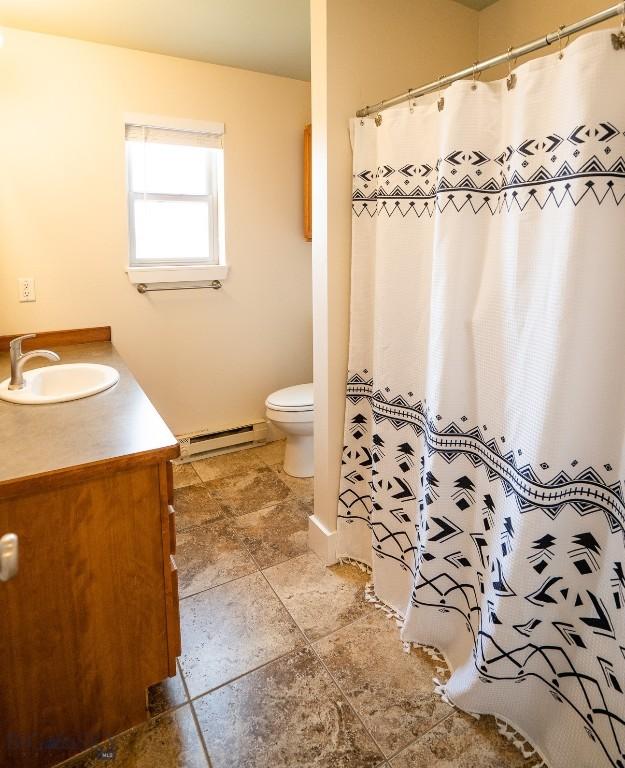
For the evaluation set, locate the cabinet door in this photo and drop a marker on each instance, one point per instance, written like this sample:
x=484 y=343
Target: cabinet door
x=170 y=572
x=83 y=621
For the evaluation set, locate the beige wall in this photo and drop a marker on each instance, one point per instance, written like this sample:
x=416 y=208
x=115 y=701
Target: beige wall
x=362 y=51
x=206 y=358
x=513 y=22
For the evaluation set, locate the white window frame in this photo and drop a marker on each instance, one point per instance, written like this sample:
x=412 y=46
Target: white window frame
x=171 y=271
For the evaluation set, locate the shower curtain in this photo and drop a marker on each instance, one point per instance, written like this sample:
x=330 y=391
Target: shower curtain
x=484 y=458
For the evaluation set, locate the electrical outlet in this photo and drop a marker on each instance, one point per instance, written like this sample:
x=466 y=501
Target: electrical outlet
x=26 y=289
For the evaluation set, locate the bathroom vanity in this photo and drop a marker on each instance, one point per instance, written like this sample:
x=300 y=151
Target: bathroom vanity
x=90 y=618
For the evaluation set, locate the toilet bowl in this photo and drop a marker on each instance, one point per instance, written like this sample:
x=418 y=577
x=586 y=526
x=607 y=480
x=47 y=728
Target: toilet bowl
x=292 y=410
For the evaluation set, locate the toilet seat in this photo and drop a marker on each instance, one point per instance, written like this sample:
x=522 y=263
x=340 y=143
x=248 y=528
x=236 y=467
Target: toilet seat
x=298 y=399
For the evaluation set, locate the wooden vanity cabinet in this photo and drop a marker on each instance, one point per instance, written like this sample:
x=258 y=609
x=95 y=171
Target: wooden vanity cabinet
x=91 y=618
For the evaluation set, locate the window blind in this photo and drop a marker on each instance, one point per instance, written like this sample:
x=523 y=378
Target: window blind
x=155 y=135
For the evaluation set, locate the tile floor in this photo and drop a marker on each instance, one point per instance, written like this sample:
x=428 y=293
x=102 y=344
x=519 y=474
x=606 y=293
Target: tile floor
x=284 y=664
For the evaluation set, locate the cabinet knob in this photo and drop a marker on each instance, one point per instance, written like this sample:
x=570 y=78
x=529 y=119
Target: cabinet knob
x=8 y=556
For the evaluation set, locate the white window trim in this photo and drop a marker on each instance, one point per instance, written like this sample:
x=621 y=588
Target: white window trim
x=190 y=274
x=193 y=273
x=173 y=123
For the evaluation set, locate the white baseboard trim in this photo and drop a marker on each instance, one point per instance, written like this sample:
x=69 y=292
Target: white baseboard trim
x=322 y=541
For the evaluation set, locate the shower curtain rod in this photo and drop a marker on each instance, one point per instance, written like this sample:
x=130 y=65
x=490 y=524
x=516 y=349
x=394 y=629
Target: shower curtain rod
x=512 y=53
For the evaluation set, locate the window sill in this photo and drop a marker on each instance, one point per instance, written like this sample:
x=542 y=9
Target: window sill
x=151 y=275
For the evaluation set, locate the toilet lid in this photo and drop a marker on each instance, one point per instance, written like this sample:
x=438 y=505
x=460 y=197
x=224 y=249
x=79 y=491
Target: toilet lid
x=299 y=398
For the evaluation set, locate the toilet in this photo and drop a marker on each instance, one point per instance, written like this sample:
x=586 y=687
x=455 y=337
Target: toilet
x=292 y=410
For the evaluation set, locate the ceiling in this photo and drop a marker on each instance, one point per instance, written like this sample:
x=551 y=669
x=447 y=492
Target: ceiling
x=270 y=36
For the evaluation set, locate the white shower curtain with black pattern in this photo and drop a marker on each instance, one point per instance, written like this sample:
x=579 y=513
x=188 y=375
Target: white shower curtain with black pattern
x=484 y=458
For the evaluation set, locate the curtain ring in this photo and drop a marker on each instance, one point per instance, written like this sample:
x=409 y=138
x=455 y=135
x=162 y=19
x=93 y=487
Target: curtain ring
x=474 y=85
x=441 y=100
x=511 y=79
x=618 y=38
x=559 y=34
x=378 y=117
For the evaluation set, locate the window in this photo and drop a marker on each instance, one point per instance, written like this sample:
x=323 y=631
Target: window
x=175 y=197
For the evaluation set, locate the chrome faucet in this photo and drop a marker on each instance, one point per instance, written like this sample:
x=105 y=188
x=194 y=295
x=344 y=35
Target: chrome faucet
x=19 y=359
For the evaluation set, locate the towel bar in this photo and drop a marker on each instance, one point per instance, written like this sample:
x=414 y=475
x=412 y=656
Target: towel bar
x=144 y=288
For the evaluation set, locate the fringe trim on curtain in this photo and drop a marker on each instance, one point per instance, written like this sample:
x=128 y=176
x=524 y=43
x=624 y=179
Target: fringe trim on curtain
x=444 y=670
x=357 y=564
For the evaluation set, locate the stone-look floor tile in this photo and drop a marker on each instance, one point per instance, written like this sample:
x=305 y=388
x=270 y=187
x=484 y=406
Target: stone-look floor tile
x=249 y=491
x=210 y=555
x=184 y=474
x=302 y=487
x=461 y=741
x=287 y=714
x=195 y=506
x=391 y=690
x=227 y=464
x=230 y=630
x=275 y=533
x=320 y=599
x=271 y=453
x=168 y=741
x=309 y=505
x=166 y=695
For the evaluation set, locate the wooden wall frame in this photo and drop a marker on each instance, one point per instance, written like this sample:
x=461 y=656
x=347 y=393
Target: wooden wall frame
x=308 y=182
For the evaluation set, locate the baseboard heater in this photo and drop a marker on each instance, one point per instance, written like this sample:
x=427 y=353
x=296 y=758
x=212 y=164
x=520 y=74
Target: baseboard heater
x=209 y=442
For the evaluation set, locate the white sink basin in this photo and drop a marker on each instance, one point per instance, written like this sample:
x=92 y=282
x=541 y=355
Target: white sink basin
x=59 y=383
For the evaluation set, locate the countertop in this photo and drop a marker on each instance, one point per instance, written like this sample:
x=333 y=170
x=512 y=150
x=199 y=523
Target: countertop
x=120 y=422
